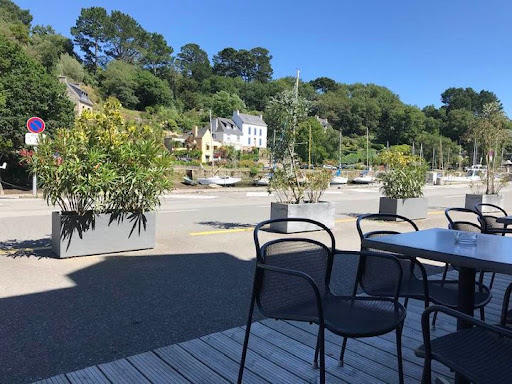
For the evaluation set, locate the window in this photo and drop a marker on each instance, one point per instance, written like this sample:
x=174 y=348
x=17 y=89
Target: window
x=260 y=142
x=261 y=130
x=207 y=147
x=249 y=130
x=238 y=138
x=249 y=141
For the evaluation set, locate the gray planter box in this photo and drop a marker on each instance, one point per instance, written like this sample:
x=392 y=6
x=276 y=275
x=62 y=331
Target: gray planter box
x=472 y=199
x=414 y=208
x=74 y=235
x=322 y=212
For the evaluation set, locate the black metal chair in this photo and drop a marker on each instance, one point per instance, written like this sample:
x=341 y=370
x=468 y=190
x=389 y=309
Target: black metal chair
x=491 y=226
x=415 y=282
x=506 y=314
x=481 y=354
x=488 y=222
x=292 y=281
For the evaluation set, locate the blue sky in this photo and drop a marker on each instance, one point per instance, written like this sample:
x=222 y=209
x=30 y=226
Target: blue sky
x=415 y=48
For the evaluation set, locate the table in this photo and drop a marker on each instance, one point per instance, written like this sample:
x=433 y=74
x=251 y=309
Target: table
x=504 y=219
x=490 y=253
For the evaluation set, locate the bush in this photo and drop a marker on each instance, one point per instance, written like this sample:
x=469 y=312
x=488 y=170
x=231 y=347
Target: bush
x=103 y=165
x=405 y=177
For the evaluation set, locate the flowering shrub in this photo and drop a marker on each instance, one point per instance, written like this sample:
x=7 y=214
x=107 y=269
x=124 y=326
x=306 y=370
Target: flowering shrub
x=103 y=165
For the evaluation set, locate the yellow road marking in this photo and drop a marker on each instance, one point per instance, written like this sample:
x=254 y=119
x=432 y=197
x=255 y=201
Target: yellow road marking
x=221 y=231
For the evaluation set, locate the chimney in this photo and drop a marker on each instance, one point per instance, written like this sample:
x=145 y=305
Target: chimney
x=194 y=131
x=261 y=117
x=237 y=112
x=63 y=79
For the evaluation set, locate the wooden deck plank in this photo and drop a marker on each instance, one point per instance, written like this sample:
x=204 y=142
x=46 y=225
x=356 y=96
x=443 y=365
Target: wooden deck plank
x=265 y=369
x=122 y=372
x=215 y=359
x=91 y=375
x=188 y=366
x=155 y=369
x=59 y=379
x=282 y=358
x=374 y=368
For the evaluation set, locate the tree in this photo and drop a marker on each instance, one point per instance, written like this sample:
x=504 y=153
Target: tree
x=156 y=53
x=14 y=22
x=29 y=91
x=124 y=38
x=262 y=70
x=324 y=84
x=193 y=62
x=70 y=67
x=223 y=104
x=47 y=46
x=468 y=99
x=225 y=63
x=90 y=35
x=150 y=90
x=118 y=80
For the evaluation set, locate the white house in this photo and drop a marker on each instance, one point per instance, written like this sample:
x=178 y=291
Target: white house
x=226 y=132
x=254 y=129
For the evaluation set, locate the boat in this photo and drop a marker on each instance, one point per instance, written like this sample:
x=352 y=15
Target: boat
x=364 y=178
x=188 y=181
x=473 y=174
x=219 y=180
x=263 y=180
x=338 y=179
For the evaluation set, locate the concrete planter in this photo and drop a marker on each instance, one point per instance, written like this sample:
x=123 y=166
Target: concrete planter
x=472 y=199
x=74 y=235
x=322 y=212
x=414 y=208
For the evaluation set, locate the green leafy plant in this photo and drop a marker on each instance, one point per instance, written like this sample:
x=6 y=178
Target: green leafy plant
x=286 y=111
x=489 y=129
x=405 y=176
x=103 y=165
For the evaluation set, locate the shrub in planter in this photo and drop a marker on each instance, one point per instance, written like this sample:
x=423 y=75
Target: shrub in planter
x=402 y=184
x=298 y=192
x=102 y=166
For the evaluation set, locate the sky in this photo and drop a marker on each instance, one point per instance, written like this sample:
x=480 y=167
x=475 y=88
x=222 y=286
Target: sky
x=415 y=48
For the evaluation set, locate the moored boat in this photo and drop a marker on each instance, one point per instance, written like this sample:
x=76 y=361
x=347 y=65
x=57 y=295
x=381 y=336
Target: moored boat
x=219 y=180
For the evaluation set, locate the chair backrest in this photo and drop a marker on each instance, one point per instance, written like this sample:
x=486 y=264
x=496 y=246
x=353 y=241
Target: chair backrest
x=463 y=225
x=488 y=222
x=363 y=219
x=377 y=276
x=285 y=295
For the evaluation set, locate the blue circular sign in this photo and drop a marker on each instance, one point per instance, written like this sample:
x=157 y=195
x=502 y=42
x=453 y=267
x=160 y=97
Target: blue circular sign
x=35 y=124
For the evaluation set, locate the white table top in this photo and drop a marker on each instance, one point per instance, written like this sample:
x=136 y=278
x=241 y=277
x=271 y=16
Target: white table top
x=490 y=253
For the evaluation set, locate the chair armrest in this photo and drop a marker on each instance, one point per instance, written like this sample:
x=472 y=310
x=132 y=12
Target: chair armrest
x=425 y=324
x=304 y=276
x=506 y=303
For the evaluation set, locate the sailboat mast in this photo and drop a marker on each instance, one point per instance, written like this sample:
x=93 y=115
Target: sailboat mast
x=211 y=138
x=339 y=153
x=367 y=154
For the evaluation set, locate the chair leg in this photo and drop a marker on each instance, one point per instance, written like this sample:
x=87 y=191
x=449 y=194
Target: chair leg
x=399 y=354
x=315 y=361
x=427 y=372
x=321 y=337
x=246 y=341
x=342 y=353
x=434 y=319
x=482 y=313
x=492 y=280
x=406 y=301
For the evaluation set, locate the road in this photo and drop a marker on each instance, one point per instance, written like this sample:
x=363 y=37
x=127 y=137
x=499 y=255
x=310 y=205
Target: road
x=61 y=315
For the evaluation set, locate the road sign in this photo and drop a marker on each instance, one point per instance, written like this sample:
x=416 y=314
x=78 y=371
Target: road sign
x=35 y=124
x=32 y=138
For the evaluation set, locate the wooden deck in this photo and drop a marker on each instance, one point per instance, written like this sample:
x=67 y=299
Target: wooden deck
x=279 y=352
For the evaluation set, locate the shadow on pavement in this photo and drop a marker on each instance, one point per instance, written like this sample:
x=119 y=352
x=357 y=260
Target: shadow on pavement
x=121 y=306
x=222 y=225
x=40 y=248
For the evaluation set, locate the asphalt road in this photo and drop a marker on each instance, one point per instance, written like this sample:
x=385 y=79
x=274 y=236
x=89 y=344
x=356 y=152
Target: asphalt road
x=62 y=315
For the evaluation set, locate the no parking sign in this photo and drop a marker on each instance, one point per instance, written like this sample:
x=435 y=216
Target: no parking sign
x=35 y=124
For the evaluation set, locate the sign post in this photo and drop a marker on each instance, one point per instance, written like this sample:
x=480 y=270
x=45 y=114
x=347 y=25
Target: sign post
x=35 y=125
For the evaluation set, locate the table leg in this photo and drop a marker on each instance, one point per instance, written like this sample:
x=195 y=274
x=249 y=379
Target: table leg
x=465 y=304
